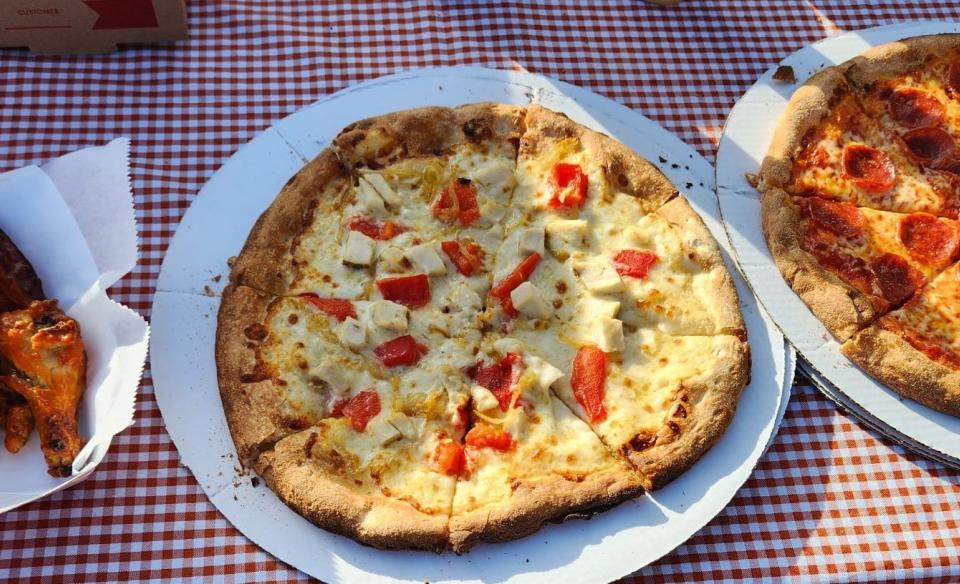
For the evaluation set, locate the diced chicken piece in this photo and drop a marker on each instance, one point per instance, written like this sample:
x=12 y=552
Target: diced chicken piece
x=598 y=275
x=566 y=234
x=496 y=173
x=425 y=258
x=544 y=373
x=483 y=399
x=382 y=431
x=531 y=241
x=331 y=373
x=390 y=315
x=461 y=298
x=391 y=259
x=508 y=345
x=594 y=307
x=405 y=425
x=379 y=184
x=353 y=333
x=369 y=201
x=358 y=250
x=528 y=300
x=608 y=334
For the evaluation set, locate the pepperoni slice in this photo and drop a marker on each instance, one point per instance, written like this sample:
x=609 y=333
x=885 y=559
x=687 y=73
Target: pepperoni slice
x=868 y=168
x=929 y=240
x=897 y=279
x=848 y=268
x=929 y=146
x=842 y=219
x=953 y=79
x=914 y=108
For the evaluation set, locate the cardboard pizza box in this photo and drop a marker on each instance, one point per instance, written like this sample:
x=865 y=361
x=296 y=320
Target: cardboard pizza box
x=89 y=26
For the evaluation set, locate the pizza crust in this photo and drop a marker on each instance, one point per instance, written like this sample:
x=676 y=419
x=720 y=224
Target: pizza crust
x=898 y=58
x=810 y=104
x=841 y=308
x=701 y=247
x=894 y=362
x=266 y=260
x=709 y=409
x=251 y=408
x=430 y=131
x=537 y=501
x=624 y=169
x=371 y=519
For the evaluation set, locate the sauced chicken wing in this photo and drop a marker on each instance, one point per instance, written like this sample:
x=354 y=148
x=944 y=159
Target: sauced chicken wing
x=48 y=369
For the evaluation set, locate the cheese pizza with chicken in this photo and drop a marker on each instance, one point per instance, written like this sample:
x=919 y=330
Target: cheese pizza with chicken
x=860 y=196
x=454 y=325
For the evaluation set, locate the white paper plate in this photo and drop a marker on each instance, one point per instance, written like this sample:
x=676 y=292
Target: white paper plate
x=745 y=140
x=184 y=374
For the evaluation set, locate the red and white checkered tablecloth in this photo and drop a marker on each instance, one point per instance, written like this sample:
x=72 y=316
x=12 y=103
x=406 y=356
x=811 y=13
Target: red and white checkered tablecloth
x=829 y=501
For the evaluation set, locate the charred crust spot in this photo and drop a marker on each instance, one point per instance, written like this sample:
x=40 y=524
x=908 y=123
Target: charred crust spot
x=308 y=445
x=299 y=423
x=303 y=365
x=680 y=412
x=475 y=130
x=282 y=382
x=326 y=278
x=674 y=427
x=258 y=374
x=558 y=303
x=560 y=286
x=640 y=442
x=293 y=319
x=464 y=181
x=622 y=179
x=291 y=180
x=256 y=332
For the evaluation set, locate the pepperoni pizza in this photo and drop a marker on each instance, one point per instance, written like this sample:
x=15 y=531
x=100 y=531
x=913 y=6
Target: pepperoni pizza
x=860 y=201
x=457 y=324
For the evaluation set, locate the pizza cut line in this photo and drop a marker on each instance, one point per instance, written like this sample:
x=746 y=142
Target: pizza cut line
x=860 y=197
x=455 y=325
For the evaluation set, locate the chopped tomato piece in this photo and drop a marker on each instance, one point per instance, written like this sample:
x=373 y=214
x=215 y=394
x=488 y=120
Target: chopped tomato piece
x=362 y=408
x=336 y=407
x=403 y=350
x=635 y=263
x=449 y=457
x=499 y=378
x=484 y=436
x=569 y=186
x=508 y=308
x=587 y=379
x=371 y=227
x=410 y=291
x=519 y=275
x=338 y=308
x=457 y=202
x=466 y=255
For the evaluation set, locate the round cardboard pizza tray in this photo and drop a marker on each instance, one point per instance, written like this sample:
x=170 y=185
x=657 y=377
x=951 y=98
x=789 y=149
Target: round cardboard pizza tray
x=744 y=142
x=184 y=319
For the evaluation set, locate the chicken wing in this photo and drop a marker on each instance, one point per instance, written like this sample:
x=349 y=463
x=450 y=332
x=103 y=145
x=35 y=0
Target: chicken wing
x=17 y=420
x=19 y=284
x=46 y=354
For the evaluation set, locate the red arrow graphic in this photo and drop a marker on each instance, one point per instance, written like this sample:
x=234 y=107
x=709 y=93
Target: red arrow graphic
x=123 y=14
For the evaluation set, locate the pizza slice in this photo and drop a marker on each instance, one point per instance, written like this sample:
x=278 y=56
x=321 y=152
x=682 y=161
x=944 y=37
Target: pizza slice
x=529 y=459
x=825 y=145
x=378 y=471
x=661 y=401
x=849 y=264
x=916 y=349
